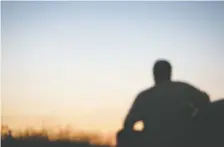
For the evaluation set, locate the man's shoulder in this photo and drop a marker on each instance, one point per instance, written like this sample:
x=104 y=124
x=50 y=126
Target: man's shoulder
x=184 y=85
x=181 y=83
x=190 y=88
x=171 y=86
x=159 y=88
x=146 y=92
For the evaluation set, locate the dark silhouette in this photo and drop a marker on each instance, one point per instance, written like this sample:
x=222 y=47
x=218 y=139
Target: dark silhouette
x=209 y=126
x=40 y=140
x=166 y=109
x=16 y=142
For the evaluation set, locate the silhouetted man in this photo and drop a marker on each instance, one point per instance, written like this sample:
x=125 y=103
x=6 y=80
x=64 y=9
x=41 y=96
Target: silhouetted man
x=165 y=108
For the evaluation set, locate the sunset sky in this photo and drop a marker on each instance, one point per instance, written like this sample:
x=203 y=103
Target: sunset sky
x=83 y=63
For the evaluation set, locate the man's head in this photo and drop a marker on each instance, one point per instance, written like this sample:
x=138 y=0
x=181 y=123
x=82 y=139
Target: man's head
x=162 y=71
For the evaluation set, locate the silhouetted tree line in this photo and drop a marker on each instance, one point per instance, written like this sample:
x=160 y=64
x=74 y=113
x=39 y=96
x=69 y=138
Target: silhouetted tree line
x=41 y=139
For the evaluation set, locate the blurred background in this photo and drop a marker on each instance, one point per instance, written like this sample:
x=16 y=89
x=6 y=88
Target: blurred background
x=77 y=66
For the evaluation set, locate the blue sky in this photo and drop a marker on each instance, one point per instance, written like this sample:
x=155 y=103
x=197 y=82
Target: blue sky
x=94 y=57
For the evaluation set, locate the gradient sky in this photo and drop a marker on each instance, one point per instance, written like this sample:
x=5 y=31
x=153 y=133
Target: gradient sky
x=82 y=63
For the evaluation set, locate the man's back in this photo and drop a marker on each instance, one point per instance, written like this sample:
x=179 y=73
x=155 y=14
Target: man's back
x=166 y=110
x=166 y=105
x=169 y=103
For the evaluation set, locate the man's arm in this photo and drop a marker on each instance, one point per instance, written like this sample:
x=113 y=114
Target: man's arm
x=134 y=113
x=201 y=98
x=198 y=98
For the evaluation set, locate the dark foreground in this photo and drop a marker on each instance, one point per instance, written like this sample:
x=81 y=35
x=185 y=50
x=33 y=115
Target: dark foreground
x=206 y=129
x=45 y=143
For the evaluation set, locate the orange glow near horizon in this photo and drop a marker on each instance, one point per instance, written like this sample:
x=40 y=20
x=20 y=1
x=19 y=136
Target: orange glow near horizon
x=62 y=134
